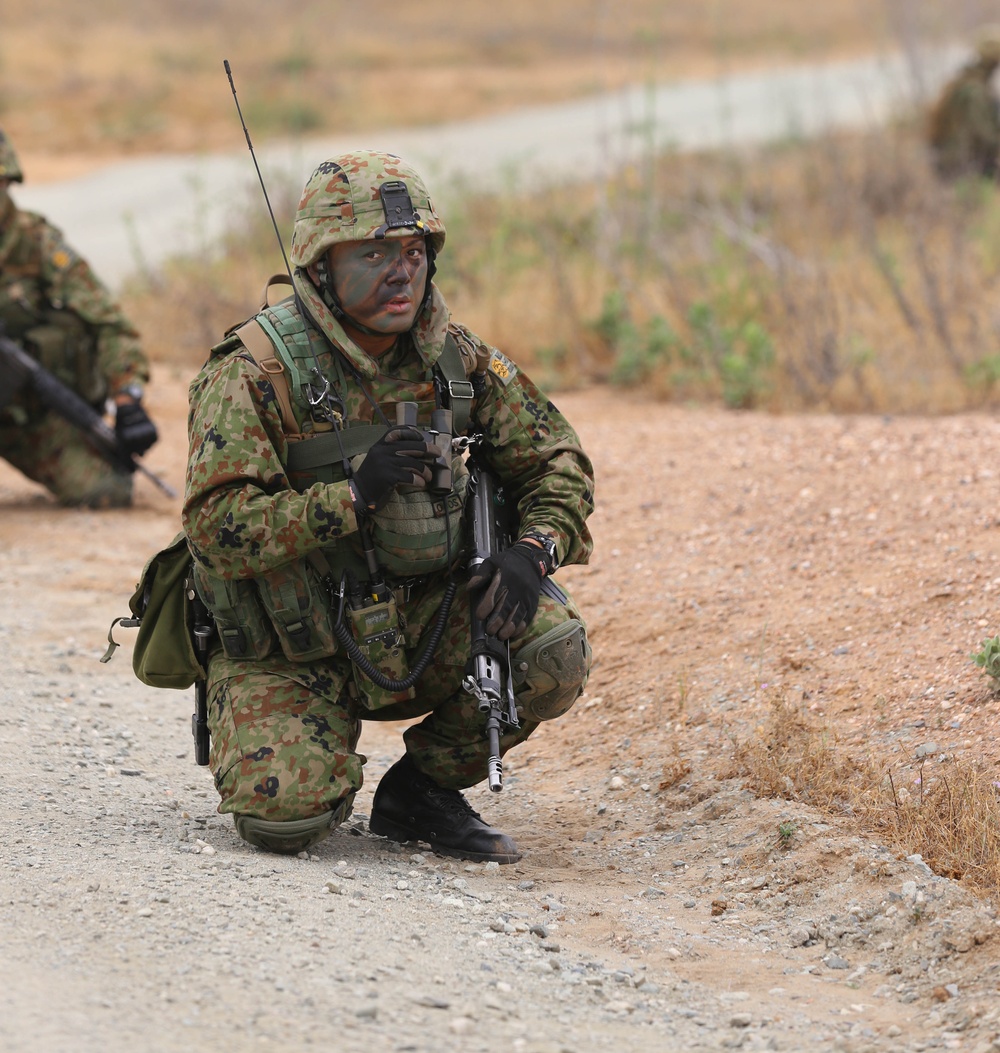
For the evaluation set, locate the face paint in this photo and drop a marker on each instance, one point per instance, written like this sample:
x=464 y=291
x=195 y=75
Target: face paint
x=380 y=284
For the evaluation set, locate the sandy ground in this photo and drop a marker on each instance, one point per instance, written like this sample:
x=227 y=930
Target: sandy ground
x=848 y=564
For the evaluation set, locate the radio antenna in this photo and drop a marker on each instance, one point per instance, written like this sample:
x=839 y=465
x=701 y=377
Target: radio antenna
x=267 y=200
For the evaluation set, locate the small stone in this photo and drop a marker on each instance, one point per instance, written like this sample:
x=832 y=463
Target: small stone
x=616 y=783
x=740 y=1020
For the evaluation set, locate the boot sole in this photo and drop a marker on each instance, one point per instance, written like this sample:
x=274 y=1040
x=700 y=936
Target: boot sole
x=395 y=832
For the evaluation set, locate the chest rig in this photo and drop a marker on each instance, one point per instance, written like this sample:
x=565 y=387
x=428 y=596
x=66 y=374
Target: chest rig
x=414 y=534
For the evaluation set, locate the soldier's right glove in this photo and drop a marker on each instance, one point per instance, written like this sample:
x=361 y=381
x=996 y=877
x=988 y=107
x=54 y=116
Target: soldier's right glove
x=401 y=457
x=513 y=580
x=133 y=428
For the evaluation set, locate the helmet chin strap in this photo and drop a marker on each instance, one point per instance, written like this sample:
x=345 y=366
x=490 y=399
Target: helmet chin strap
x=327 y=294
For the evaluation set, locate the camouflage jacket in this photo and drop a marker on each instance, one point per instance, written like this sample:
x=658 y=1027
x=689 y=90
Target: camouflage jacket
x=52 y=302
x=241 y=514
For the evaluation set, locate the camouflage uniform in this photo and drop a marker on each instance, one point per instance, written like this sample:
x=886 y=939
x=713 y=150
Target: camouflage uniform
x=964 y=124
x=53 y=304
x=284 y=732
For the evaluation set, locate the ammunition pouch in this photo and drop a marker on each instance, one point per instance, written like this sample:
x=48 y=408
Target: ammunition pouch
x=287 y=608
x=551 y=672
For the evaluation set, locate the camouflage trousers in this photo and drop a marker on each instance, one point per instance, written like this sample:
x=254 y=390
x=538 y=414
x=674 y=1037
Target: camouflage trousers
x=284 y=734
x=50 y=451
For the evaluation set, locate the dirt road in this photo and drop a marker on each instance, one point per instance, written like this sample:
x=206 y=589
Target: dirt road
x=850 y=563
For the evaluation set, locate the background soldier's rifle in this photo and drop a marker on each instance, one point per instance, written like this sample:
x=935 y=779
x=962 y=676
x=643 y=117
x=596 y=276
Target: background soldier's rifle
x=19 y=369
x=489 y=678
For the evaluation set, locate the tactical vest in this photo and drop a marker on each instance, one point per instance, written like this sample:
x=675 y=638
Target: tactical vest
x=50 y=332
x=414 y=534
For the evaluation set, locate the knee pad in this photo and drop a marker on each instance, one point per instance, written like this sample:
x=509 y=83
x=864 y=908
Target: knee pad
x=551 y=672
x=295 y=836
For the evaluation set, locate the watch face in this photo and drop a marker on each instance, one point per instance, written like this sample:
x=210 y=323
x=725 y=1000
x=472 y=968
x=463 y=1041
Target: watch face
x=134 y=391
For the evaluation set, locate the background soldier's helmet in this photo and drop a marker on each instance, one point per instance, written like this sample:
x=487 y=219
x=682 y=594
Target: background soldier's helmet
x=362 y=196
x=9 y=167
x=988 y=43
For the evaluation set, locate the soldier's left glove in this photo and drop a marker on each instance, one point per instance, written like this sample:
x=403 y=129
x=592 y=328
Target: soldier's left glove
x=133 y=428
x=513 y=581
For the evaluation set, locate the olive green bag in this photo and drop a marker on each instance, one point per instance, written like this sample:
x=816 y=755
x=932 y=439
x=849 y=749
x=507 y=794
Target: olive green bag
x=161 y=606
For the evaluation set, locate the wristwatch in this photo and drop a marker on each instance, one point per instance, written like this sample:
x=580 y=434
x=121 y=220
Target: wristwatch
x=548 y=547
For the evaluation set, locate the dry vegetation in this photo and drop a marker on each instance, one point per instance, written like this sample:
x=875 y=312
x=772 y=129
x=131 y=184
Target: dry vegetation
x=948 y=813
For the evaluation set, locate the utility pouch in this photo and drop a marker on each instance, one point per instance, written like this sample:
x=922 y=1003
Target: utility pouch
x=243 y=627
x=294 y=598
x=420 y=532
x=378 y=636
x=163 y=655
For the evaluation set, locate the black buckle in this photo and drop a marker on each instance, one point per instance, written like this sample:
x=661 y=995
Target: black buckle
x=398 y=208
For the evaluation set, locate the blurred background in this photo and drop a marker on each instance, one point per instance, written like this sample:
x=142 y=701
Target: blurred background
x=719 y=201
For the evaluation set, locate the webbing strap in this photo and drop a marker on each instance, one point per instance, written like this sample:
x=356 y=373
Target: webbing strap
x=261 y=348
x=460 y=391
x=324 y=448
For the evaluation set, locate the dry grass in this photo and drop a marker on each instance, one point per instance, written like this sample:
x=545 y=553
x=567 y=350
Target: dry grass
x=945 y=809
x=837 y=275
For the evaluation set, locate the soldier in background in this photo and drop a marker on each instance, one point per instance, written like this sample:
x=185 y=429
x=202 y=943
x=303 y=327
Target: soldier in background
x=54 y=306
x=964 y=124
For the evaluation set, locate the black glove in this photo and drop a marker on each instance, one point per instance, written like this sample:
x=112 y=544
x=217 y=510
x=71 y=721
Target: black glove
x=514 y=579
x=133 y=429
x=401 y=457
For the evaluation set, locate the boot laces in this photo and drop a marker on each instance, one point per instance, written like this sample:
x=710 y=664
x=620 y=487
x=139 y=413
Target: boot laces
x=452 y=801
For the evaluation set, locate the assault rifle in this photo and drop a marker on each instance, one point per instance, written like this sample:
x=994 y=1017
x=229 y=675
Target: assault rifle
x=489 y=679
x=19 y=369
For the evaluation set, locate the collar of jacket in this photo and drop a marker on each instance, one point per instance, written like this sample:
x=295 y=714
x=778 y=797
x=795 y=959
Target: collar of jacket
x=428 y=332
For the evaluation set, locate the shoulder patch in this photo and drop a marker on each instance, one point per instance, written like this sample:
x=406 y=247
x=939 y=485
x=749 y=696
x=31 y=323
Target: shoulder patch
x=501 y=367
x=61 y=259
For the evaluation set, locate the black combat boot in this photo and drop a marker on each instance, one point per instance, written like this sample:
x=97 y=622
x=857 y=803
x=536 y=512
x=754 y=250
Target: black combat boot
x=409 y=806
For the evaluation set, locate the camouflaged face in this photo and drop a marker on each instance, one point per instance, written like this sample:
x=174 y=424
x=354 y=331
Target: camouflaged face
x=9 y=166
x=342 y=202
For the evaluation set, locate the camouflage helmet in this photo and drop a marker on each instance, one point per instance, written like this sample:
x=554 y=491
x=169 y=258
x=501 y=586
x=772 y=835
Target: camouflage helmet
x=988 y=44
x=9 y=167
x=362 y=196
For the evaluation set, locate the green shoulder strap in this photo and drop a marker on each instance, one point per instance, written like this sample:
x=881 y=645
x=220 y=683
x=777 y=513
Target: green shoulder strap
x=451 y=369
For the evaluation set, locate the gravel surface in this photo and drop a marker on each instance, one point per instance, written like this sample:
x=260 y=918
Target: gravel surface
x=851 y=562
